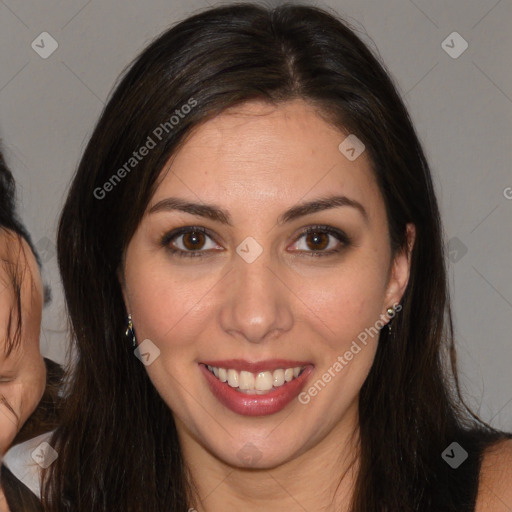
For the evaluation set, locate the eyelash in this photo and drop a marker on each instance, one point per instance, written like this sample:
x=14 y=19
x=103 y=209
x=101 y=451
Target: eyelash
x=336 y=233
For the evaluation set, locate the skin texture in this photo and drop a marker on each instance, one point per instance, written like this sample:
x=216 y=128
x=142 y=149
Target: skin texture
x=256 y=161
x=495 y=485
x=22 y=373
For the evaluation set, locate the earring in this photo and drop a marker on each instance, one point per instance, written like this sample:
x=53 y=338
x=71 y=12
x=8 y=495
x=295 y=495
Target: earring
x=130 y=331
x=391 y=312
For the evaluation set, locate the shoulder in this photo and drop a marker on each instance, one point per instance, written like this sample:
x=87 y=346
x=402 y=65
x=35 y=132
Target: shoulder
x=495 y=481
x=4 y=507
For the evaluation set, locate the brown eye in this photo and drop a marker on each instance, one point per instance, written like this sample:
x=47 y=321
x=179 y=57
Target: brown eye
x=193 y=240
x=189 y=241
x=322 y=241
x=319 y=241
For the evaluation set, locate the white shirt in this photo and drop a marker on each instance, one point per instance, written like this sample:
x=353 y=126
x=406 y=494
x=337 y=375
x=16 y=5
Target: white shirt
x=25 y=460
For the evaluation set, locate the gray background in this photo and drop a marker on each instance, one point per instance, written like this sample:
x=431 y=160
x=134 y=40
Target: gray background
x=462 y=109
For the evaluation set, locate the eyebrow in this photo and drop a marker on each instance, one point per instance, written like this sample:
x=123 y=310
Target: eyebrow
x=217 y=214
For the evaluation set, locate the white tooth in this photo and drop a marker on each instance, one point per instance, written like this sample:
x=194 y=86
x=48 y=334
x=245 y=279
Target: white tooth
x=263 y=381
x=216 y=371
x=210 y=367
x=223 y=375
x=246 y=380
x=296 y=371
x=233 y=378
x=278 y=376
x=288 y=374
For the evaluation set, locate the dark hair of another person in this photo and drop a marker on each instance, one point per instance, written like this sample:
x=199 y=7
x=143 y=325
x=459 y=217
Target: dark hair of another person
x=117 y=443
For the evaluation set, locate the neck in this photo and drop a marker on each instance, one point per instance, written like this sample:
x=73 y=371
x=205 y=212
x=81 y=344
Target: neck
x=321 y=479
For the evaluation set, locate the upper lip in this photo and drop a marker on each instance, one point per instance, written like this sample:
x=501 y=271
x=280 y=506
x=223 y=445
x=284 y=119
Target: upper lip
x=256 y=366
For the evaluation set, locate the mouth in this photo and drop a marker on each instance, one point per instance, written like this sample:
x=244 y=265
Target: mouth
x=256 y=389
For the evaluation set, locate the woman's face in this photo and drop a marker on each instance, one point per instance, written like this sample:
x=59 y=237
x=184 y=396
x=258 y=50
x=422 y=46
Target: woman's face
x=253 y=297
x=22 y=372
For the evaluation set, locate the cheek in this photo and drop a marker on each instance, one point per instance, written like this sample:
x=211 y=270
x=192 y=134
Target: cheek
x=21 y=396
x=11 y=399
x=170 y=308
x=8 y=429
x=345 y=302
x=33 y=387
x=39 y=386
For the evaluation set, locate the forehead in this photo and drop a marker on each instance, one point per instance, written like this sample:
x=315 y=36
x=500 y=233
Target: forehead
x=268 y=153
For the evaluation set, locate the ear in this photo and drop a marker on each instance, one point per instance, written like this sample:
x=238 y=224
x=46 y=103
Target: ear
x=400 y=270
x=122 y=283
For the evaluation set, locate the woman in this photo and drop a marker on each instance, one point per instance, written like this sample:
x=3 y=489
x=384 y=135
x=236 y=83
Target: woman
x=23 y=371
x=254 y=215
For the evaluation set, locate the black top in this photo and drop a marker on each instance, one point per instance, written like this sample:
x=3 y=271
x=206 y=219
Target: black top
x=19 y=497
x=457 y=477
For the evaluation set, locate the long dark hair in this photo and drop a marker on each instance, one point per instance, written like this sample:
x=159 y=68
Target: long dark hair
x=117 y=444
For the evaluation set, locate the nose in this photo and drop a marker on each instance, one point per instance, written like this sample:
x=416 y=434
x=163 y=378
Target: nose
x=257 y=300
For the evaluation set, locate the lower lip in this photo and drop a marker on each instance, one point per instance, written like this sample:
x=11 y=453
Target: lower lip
x=256 y=405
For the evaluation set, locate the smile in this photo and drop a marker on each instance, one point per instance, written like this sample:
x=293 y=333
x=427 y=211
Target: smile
x=256 y=383
x=256 y=388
